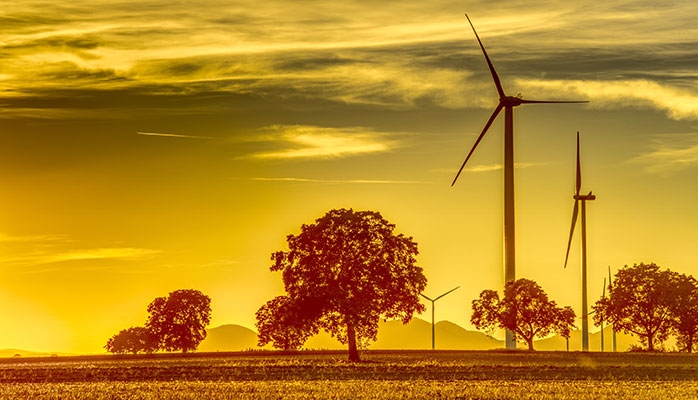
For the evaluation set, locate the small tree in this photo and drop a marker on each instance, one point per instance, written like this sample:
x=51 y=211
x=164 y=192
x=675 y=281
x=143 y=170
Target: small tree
x=641 y=303
x=179 y=320
x=342 y=274
x=132 y=340
x=524 y=310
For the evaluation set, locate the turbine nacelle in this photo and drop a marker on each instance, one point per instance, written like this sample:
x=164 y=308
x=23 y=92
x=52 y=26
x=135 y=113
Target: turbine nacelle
x=511 y=101
x=584 y=196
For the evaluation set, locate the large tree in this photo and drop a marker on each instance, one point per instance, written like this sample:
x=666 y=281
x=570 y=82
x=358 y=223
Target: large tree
x=179 y=320
x=524 y=310
x=642 y=303
x=132 y=340
x=342 y=274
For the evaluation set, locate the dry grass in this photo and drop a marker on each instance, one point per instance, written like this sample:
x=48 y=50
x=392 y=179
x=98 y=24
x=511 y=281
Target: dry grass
x=383 y=375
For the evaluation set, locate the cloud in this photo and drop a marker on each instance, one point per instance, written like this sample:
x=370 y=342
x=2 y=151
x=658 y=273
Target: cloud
x=677 y=103
x=670 y=153
x=496 y=167
x=336 y=181
x=57 y=256
x=173 y=135
x=305 y=142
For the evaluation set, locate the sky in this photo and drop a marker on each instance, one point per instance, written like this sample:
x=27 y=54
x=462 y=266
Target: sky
x=150 y=146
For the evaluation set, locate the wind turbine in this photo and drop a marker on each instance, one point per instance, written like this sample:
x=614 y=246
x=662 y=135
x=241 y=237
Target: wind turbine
x=603 y=296
x=433 y=342
x=583 y=198
x=610 y=287
x=507 y=103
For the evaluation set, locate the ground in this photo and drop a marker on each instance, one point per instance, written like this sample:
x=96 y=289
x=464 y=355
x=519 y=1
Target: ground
x=381 y=374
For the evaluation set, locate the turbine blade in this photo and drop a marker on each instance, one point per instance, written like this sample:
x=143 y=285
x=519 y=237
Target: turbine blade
x=578 y=185
x=479 y=138
x=603 y=295
x=610 y=282
x=575 y=211
x=524 y=101
x=495 y=77
x=425 y=297
x=446 y=293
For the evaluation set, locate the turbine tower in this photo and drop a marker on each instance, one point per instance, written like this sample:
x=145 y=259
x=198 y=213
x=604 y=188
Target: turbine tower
x=583 y=198
x=610 y=287
x=603 y=296
x=433 y=341
x=507 y=103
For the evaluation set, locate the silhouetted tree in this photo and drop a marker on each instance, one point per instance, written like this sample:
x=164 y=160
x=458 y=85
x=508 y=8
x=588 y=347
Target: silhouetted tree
x=524 y=310
x=641 y=303
x=285 y=323
x=179 y=320
x=685 y=312
x=132 y=340
x=342 y=274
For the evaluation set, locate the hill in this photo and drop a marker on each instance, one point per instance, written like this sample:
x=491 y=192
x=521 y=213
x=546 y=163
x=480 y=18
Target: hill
x=623 y=341
x=23 y=353
x=393 y=335
x=229 y=338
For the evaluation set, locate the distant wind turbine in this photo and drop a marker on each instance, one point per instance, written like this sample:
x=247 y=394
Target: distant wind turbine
x=507 y=103
x=433 y=341
x=575 y=211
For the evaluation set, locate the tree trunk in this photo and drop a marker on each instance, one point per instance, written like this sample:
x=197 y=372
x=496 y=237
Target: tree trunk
x=690 y=343
x=650 y=342
x=530 y=343
x=351 y=339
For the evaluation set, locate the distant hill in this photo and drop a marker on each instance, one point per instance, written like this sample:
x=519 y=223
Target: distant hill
x=623 y=341
x=393 y=335
x=23 y=353
x=229 y=338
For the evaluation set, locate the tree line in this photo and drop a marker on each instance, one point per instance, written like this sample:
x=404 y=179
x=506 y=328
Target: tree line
x=349 y=269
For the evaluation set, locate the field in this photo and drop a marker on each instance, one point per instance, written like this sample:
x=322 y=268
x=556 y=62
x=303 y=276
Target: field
x=382 y=374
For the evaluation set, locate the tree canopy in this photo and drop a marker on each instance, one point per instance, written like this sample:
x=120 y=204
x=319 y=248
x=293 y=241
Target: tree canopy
x=524 y=309
x=133 y=340
x=179 y=320
x=342 y=274
x=652 y=304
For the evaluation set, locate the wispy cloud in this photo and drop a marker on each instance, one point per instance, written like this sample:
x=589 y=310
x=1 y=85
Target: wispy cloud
x=175 y=135
x=670 y=153
x=57 y=256
x=678 y=103
x=303 y=142
x=336 y=181
x=496 y=167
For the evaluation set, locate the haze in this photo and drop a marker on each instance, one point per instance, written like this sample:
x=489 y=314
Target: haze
x=147 y=147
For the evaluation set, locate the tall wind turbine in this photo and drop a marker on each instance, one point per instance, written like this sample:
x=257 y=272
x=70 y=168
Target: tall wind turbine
x=583 y=198
x=507 y=103
x=433 y=341
x=603 y=296
x=610 y=288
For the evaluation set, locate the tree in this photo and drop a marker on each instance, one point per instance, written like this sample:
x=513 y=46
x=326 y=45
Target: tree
x=641 y=303
x=287 y=325
x=342 y=274
x=132 y=340
x=685 y=312
x=524 y=310
x=179 y=320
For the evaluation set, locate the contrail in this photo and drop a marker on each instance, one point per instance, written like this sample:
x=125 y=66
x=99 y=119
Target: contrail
x=173 y=135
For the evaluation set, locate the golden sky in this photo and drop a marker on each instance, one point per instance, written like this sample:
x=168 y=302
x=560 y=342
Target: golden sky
x=150 y=146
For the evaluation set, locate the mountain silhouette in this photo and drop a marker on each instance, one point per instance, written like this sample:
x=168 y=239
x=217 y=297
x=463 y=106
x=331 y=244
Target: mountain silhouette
x=229 y=338
x=416 y=335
